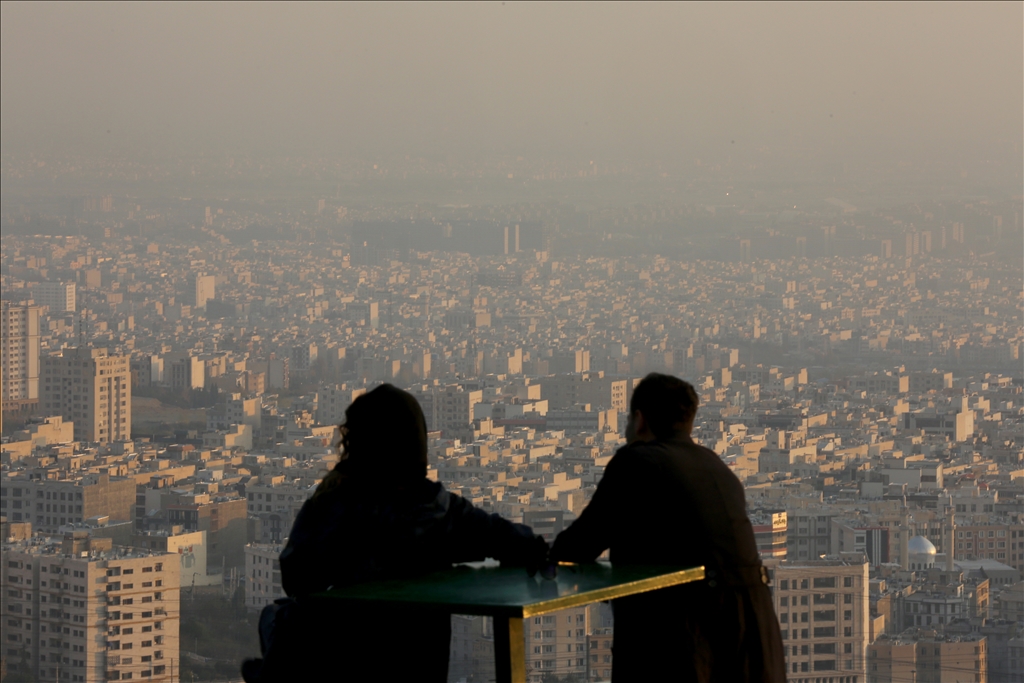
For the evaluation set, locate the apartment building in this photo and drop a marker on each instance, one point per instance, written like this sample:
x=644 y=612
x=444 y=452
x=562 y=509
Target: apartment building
x=599 y=654
x=235 y=410
x=80 y=610
x=222 y=517
x=92 y=389
x=274 y=503
x=204 y=290
x=556 y=644
x=51 y=503
x=262 y=574
x=471 y=654
x=59 y=297
x=770 y=528
x=823 y=611
x=19 y=352
x=454 y=408
x=567 y=390
x=809 y=533
x=928 y=657
x=997 y=537
x=333 y=401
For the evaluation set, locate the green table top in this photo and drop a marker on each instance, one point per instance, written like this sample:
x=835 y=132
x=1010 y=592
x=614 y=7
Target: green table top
x=510 y=592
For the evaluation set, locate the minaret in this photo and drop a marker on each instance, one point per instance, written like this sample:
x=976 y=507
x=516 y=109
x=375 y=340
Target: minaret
x=950 y=526
x=905 y=543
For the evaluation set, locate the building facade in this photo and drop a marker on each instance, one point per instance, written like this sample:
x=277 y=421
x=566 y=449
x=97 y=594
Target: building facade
x=59 y=297
x=262 y=574
x=823 y=611
x=81 y=610
x=51 y=503
x=19 y=352
x=928 y=657
x=92 y=389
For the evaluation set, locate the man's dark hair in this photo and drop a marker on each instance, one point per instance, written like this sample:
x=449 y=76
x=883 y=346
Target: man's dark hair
x=666 y=402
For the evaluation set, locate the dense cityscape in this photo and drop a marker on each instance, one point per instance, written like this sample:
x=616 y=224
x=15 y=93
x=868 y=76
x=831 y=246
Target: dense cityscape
x=175 y=369
x=726 y=296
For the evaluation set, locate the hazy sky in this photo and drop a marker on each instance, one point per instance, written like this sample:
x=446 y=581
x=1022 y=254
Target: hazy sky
x=622 y=80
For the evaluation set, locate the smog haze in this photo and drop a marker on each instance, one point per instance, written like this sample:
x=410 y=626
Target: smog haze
x=747 y=82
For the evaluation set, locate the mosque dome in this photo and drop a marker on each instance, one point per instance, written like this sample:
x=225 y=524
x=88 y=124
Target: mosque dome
x=919 y=545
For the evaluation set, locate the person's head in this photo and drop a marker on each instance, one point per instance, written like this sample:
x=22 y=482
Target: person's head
x=384 y=436
x=662 y=406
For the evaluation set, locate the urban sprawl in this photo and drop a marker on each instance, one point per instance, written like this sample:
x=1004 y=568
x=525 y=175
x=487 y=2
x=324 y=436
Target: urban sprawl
x=175 y=370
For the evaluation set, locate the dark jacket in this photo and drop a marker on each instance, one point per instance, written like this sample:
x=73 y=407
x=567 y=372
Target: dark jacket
x=356 y=533
x=676 y=503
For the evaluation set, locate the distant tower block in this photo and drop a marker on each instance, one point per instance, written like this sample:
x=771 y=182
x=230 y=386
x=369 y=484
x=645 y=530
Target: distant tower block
x=511 y=242
x=205 y=290
x=320 y=207
x=59 y=297
x=744 y=251
x=958 y=232
x=20 y=351
x=101 y=404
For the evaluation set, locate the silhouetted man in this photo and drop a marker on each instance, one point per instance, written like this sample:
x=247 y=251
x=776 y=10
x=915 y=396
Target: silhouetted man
x=666 y=500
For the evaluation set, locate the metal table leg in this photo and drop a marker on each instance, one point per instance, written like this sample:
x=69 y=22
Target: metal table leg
x=509 y=650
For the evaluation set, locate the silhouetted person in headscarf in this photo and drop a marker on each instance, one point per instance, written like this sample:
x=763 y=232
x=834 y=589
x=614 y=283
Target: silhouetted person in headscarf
x=664 y=500
x=377 y=516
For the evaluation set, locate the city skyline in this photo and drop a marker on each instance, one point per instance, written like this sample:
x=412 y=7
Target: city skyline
x=223 y=224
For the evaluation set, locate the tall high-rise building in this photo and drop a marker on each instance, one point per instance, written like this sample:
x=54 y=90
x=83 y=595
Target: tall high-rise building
x=823 y=611
x=91 y=389
x=19 y=352
x=79 y=609
x=204 y=291
x=59 y=297
x=511 y=239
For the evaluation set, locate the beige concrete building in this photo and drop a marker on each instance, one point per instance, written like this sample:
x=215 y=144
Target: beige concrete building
x=823 y=611
x=80 y=610
x=599 y=653
x=333 y=401
x=928 y=657
x=92 y=389
x=235 y=410
x=451 y=408
x=19 y=352
x=565 y=391
x=205 y=289
x=770 y=527
x=59 y=297
x=50 y=503
x=557 y=643
x=262 y=574
x=471 y=652
x=52 y=430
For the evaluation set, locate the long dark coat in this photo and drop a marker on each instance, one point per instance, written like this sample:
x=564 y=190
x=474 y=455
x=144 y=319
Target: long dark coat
x=676 y=503
x=356 y=533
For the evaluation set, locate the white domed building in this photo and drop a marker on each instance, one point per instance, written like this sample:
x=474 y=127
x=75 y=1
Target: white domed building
x=920 y=553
